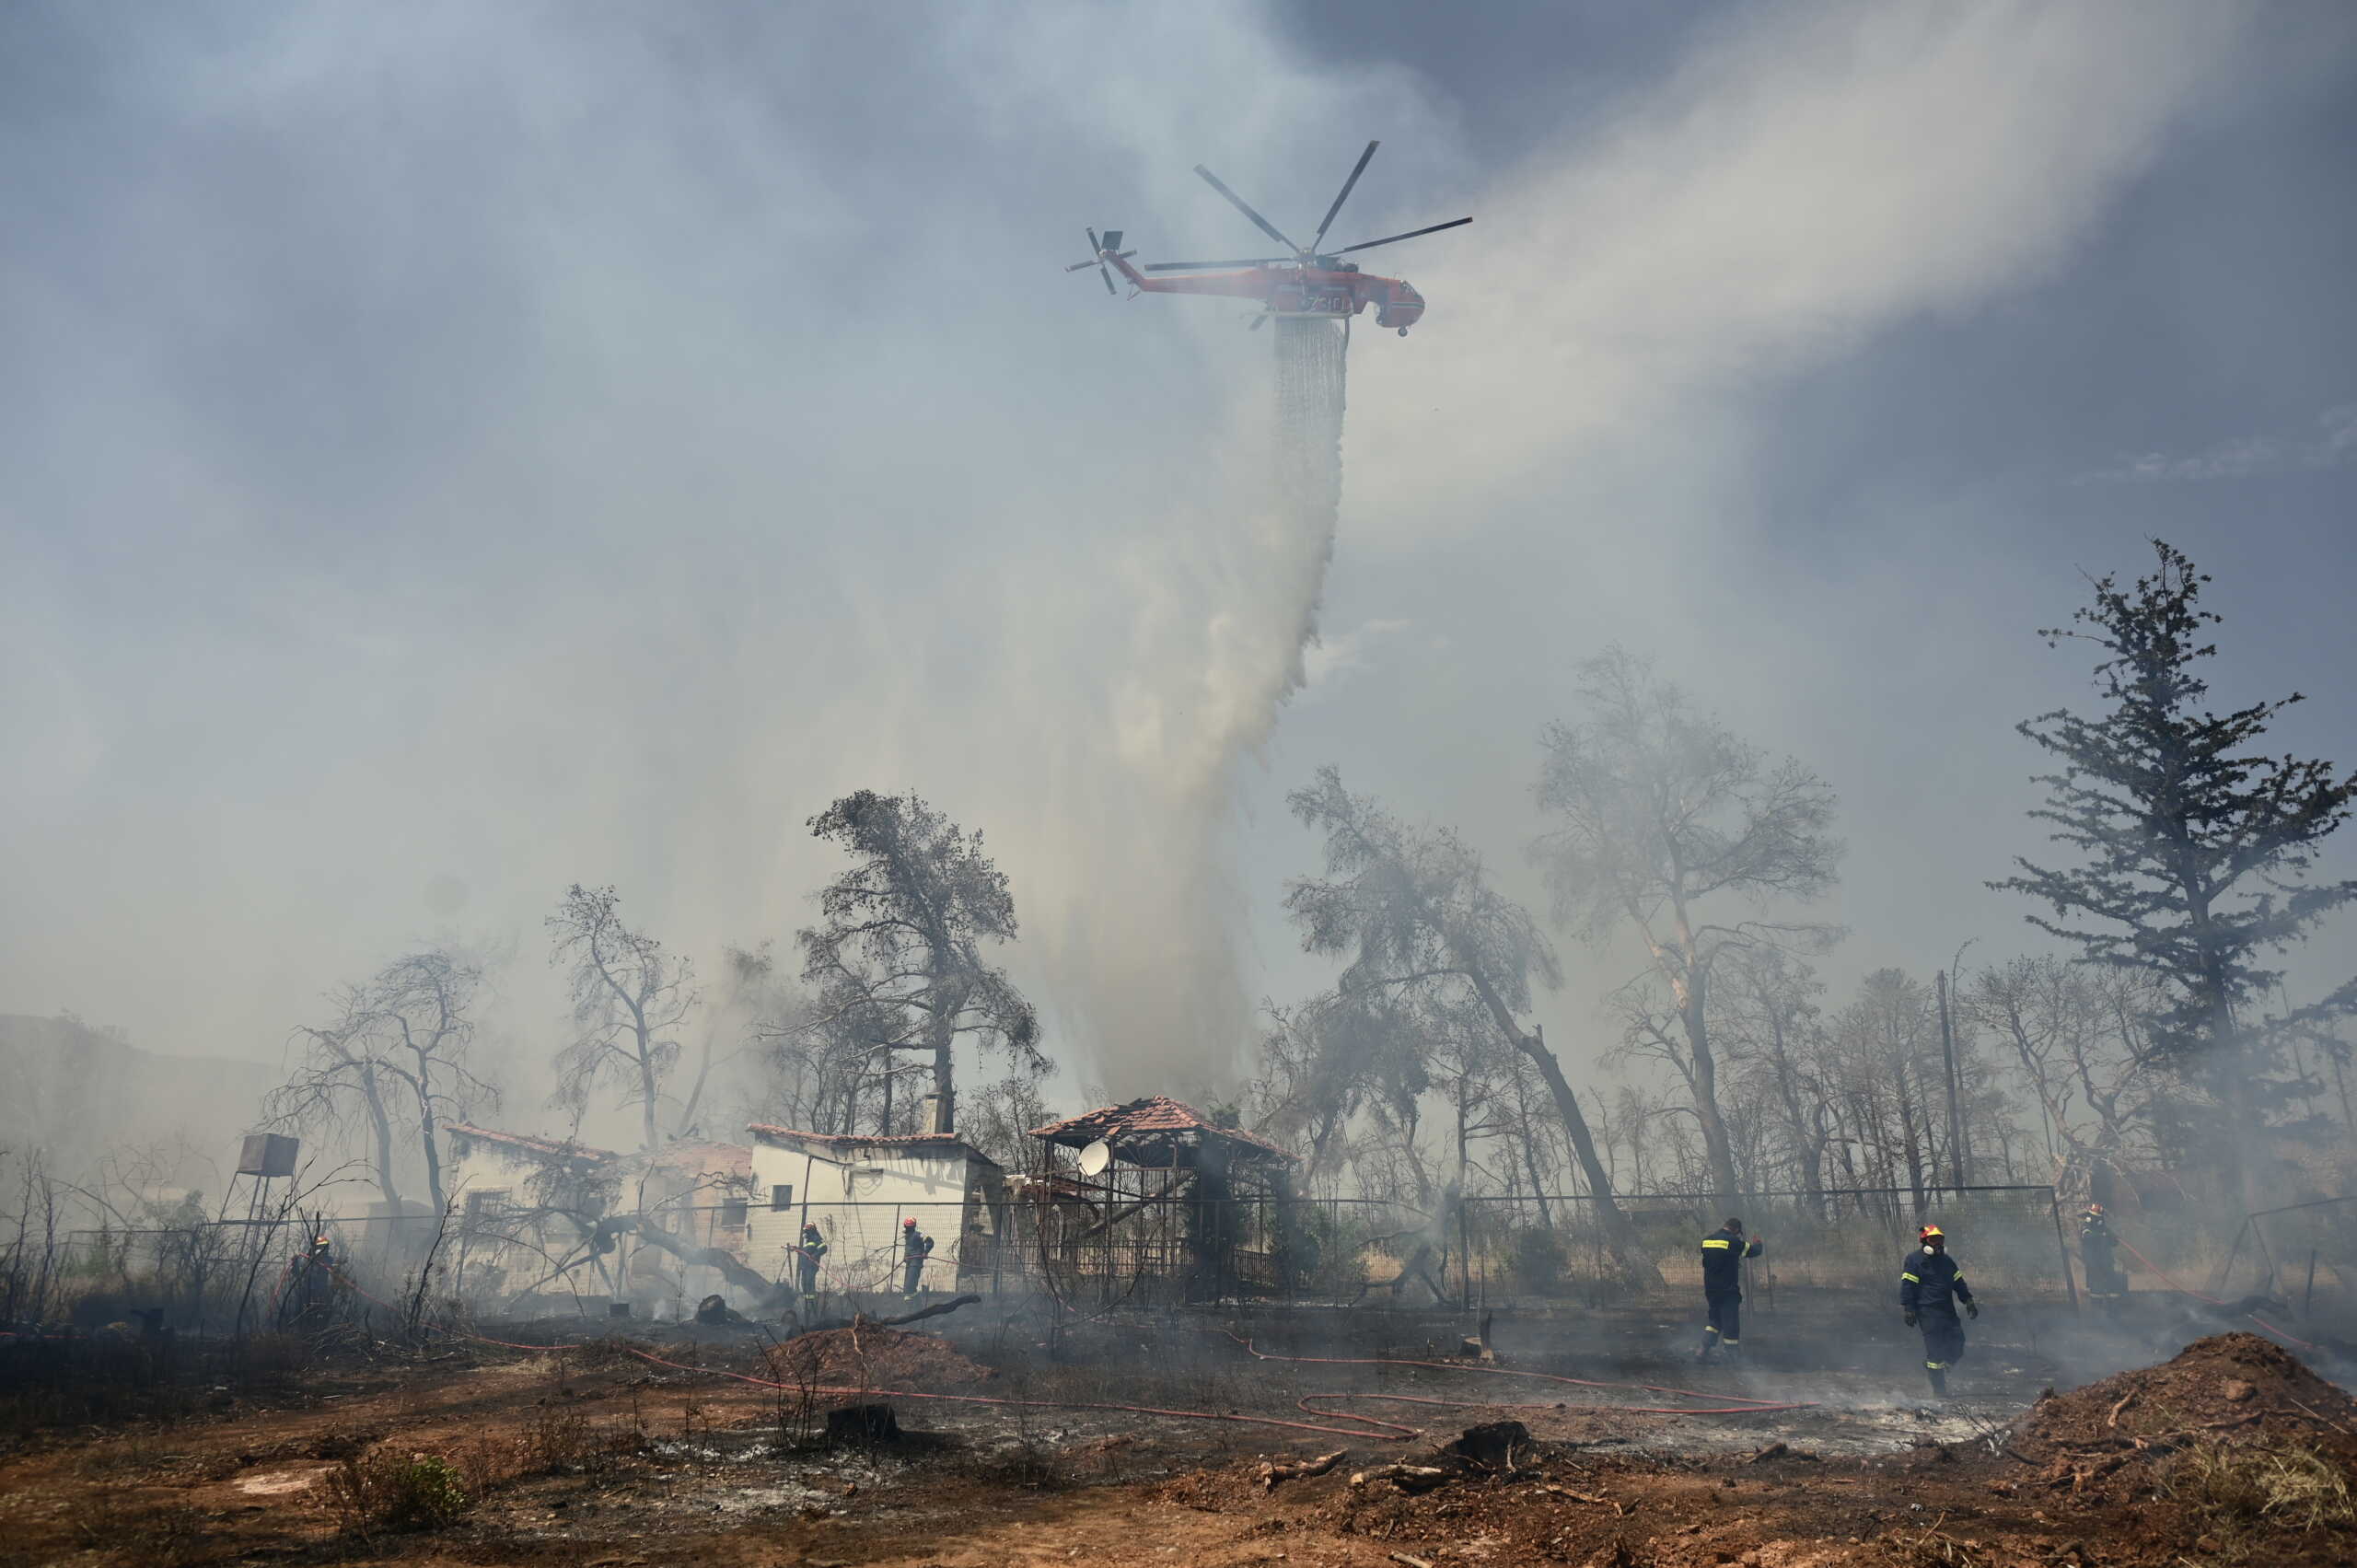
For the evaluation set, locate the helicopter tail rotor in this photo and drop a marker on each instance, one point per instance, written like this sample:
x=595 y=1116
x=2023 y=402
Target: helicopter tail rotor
x=1097 y=250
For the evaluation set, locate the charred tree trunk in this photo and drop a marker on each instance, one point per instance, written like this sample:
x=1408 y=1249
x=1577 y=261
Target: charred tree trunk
x=1718 y=1150
x=426 y=1130
x=941 y=1036
x=1619 y=1235
x=380 y=1124
x=764 y=1291
x=649 y=1090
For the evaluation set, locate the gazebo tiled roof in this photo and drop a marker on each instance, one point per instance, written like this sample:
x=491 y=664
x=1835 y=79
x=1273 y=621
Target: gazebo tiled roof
x=1153 y=1123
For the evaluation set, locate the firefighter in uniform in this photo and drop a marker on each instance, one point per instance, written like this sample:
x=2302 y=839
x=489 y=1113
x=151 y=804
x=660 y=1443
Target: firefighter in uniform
x=314 y=1280
x=812 y=1248
x=1723 y=1251
x=1930 y=1284
x=2105 y=1282
x=915 y=1247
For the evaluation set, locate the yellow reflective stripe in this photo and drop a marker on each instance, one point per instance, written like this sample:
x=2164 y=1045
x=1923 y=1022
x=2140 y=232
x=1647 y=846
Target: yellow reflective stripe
x=1916 y=1278
x=1722 y=1245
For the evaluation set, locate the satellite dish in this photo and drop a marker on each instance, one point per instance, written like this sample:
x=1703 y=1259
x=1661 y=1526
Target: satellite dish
x=1096 y=1158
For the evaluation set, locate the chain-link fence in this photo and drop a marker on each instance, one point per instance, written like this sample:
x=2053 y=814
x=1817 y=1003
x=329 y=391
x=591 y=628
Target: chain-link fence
x=1181 y=1251
x=2007 y=1238
x=1345 y=1251
x=2304 y=1255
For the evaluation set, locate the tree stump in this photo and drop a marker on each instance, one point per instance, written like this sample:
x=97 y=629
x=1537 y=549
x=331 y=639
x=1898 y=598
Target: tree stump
x=863 y=1426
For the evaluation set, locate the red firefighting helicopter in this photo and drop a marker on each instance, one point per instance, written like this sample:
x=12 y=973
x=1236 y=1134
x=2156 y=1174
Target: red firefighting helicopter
x=1309 y=282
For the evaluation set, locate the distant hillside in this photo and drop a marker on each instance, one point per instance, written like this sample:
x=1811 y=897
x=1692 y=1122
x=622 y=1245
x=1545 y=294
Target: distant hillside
x=78 y=1091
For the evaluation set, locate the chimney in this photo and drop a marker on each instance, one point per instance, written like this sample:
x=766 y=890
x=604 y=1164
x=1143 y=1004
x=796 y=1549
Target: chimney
x=937 y=1111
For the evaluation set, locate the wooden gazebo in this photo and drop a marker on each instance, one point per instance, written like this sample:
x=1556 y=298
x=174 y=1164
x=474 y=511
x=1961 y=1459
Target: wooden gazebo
x=1154 y=1200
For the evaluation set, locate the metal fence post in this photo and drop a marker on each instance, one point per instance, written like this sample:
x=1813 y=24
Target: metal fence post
x=2062 y=1251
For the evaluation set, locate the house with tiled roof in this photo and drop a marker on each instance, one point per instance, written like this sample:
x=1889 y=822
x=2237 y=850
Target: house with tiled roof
x=549 y=1217
x=861 y=1191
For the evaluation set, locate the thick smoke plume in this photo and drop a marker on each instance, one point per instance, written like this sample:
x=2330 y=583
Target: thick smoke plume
x=466 y=450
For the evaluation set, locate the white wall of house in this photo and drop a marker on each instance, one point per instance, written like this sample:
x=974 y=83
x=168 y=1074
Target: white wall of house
x=492 y=1181
x=858 y=1195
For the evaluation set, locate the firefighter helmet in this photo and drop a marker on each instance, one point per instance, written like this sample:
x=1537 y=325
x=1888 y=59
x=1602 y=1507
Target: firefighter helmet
x=1929 y=1231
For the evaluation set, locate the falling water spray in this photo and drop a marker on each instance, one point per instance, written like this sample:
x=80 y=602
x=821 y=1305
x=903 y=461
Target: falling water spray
x=1312 y=353
x=1154 y=968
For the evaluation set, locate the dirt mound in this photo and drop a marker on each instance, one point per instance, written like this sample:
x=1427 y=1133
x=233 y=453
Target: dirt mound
x=874 y=1358
x=2230 y=1388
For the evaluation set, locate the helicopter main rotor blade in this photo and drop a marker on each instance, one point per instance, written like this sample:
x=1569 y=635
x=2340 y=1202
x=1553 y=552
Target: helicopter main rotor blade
x=1107 y=273
x=1345 y=196
x=1263 y=225
x=1371 y=244
x=1094 y=261
x=1197 y=266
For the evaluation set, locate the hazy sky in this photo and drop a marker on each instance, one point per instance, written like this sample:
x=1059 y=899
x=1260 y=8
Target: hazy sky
x=455 y=451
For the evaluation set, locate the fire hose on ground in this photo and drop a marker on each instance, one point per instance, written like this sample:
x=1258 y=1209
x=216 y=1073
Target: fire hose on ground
x=2156 y=1268
x=1367 y=1427
x=1731 y=1404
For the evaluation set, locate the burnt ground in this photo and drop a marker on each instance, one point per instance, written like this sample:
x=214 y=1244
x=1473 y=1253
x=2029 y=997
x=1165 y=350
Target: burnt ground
x=593 y=1458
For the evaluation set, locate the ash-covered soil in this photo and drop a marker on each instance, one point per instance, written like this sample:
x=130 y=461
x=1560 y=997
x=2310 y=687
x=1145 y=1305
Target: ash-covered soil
x=865 y=1357
x=595 y=1458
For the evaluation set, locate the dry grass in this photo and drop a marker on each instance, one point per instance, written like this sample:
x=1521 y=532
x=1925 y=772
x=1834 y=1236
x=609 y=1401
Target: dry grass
x=609 y=1349
x=168 y=1537
x=1934 y=1547
x=2248 y=1487
x=565 y=1440
x=388 y=1486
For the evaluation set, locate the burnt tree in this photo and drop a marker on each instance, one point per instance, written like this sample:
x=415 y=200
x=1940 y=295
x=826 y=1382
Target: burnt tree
x=1664 y=819
x=1413 y=914
x=630 y=996
x=897 y=953
x=2191 y=847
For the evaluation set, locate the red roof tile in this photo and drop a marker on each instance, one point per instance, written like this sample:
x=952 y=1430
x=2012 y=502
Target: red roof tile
x=1141 y=1119
x=911 y=1141
x=702 y=1159
x=543 y=1146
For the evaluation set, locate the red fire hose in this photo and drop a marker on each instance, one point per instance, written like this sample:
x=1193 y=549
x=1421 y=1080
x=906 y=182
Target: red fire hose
x=1368 y=1427
x=1741 y=1401
x=2153 y=1267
